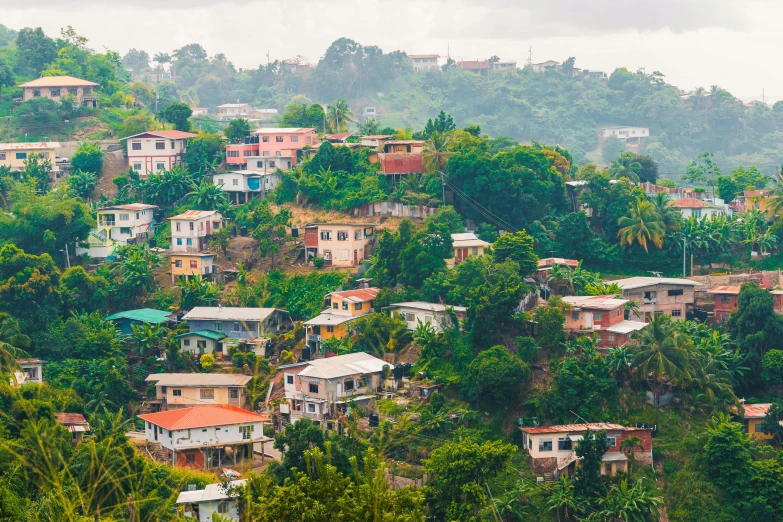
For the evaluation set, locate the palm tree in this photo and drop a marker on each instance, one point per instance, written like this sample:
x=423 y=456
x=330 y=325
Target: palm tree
x=642 y=225
x=207 y=196
x=631 y=444
x=625 y=167
x=669 y=214
x=12 y=344
x=562 y=498
x=338 y=116
x=619 y=360
x=637 y=502
x=436 y=152
x=148 y=337
x=661 y=356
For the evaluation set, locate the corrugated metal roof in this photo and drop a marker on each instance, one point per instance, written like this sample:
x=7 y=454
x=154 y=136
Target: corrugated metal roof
x=467 y=239
x=552 y=261
x=568 y=428
x=629 y=283
x=30 y=146
x=210 y=492
x=756 y=411
x=229 y=313
x=168 y=134
x=327 y=318
x=594 y=302
x=144 y=315
x=129 y=206
x=725 y=289
x=691 y=203
x=343 y=365
x=207 y=334
x=198 y=379
x=71 y=419
x=434 y=307
x=193 y=215
x=360 y=295
x=625 y=327
x=59 y=81
x=202 y=417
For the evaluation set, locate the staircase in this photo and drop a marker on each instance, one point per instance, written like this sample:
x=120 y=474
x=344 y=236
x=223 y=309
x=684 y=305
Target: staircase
x=157 y=452
x=550 y=477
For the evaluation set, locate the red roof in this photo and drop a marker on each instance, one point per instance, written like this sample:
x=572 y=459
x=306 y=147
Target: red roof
x=561 y=261
x=689 y=203
x=169 y=134
x=401 y=163
x=70 y=418
x=570 y=428
x=202 y=417
x=756 y=411
x=725 y=289
x=362 y=294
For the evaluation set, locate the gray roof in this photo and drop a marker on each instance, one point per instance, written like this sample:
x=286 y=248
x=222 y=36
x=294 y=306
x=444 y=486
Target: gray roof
x=467 y=239
x=211 y=492
x=229 y=313
x=327 y=318
x=433 y=307
x=198 y=379
x=625 y=327
x=630 y=283
x=344 y=365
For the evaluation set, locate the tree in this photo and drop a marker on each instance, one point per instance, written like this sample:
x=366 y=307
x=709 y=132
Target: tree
x=755 y=325
x=35 y=50
x=38 y=111
x=562 y=498
x=82 y=183
x=208 y=196
x=517 y=246
x=625 y=166
x=13 y=344
x=630 y=445
x=177 y=114
x=637 y=502
x=28 y=285
x=204 y=153
x=649 y=168
x=459 y=472
x=771 y=423
x=728 y=454
x=237 y=130
x=7 y=78
x=270 y=229
x=148 y=338
x=591 y=451
x=88 y=158
x=370 y=127
x=338 y=116
x=37 y=169
x=772 y=367
x=611 y=148
x=494 y=377
x=703 y=171
x=549 y=321
x=442 y=125
x=436 y=153
x=207 y=361
x=642 y=225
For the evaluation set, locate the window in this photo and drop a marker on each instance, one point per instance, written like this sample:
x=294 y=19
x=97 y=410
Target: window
x=247 y=153
x=236 y=326
x=674 y=292
x=235 y=181
x=160 y=145
x=87 y=91
x=311 y=408
x=201 y=345
x=610 y=337
x=265 y=139
x=137 y=215
x=330 y=328
x=233 y=393
x=207 y=393
x=348 y=385
x=345 y=305
x=335 y=305
x=193 y=263
x=597 y=316
x=190 y=458
x=357 y=234
x=278 y=139
x=474 y=251
x=191 y=225
x=178 y=263
x=289 y=379
x=313 y=387
x=160 y=166
x=73 y=91
x=186 y=342
x=176 y=393
x=260 y=164
x=545 y=445
x=696 y=214
x=45 y=155
x=307 y=139
x=564 y=444
x=266 y=153
x=326 y=235
x=357 y=306
x=575 y=316
x=611 y=441
x=54 y=92
x=246 y=431
x=342 y=236
x=21 y=155
x=232 y=153
x=294 y=139
x=136 y=145
x=125 y=230
x=271 y=164
x=725 y=299
x=218 y=326
x=2 y=156
x=650 y=296
x=223 y=506
x=124 y=217
x=188 y=241
x=179 y=241
x=676 y=313
x=36 y=92
x=410 y=317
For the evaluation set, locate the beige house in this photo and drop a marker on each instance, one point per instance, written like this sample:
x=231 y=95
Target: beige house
x=435 y=314
x=180 y=390
x=55 y=87
x=31 y=372
x=465 y=245
x=190 y=230
x=659 y=295
x=14 y=155
x=155 y=151
x=339 y=244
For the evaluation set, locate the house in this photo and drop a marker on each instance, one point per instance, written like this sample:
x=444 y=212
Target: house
x=241 y=186
x=117 y=226
x=551 y=448
x=259 y=115
x=465 y=245
x=375 y=140
x=421 y=62
x=199 y=342
x=233 y=111
x=398 y=156
x=341 y=308
x=546 y=264
x=594 y=75
x=652 y=190
x=435 y=314
x=15 y=155
x=31 y=372
x=154 y=151
x=282 y=145
x=191 y=265
x=629 y=135
x=124 y=320
x=321 y=389
x=339 y=137
x=75 y=423
x=203 y=437
x=752 y=417
x=339 y=244
x=602 y=315
x=55 y=87
x=545 y=66
x=200 y=504
x=240 y=326
x=480 y=67
x=726 y=297
x=190 y=230
x=659 y=295
x=696 y=208
x=182 y=390
x=504 y=67
x=369 y=113
x=199 y=111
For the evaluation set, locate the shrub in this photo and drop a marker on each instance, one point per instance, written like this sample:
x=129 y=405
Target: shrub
x=207 y=361
x=318 y=262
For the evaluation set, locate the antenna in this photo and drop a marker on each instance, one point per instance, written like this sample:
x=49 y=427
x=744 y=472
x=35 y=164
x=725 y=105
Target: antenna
x=530 y=56
x=267 y=58
x=579 y=417
x=655 y=273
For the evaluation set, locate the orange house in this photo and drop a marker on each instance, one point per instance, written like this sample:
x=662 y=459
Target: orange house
x=341 y=308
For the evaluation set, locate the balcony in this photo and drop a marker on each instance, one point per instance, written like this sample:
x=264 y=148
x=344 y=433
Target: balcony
x=313 y=338
x=107 y=223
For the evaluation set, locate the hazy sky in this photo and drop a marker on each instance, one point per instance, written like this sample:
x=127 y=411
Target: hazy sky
x=732 y=43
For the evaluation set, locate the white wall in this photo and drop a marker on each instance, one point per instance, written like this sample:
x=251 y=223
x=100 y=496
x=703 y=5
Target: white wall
x=424 y=316
x=206 y=508
x=202 y=436
x=149 y=156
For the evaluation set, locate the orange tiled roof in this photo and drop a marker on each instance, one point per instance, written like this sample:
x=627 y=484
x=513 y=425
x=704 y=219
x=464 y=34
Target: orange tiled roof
x=756 y=411
x=689 y=203
x=202 y=417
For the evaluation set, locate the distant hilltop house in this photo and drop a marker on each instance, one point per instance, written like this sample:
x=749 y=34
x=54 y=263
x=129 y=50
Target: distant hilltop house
x=480 y=67
x=398 y=157
x=629 y=135
x=545 y=66
x=154 y=151
x=671 y=296
x=504 y=66
x=55 y=87
x=118 y=225
x=14 y=155
x=235 y=111
x=422 y=62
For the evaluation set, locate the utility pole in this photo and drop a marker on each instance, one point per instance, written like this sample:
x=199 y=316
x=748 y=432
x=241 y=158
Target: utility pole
x=267 y=58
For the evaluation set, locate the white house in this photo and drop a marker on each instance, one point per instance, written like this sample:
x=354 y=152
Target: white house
x=233 y=111
x=691 y=207
x=191 y=229
x=154 y=151
x=421 y=62
x=435 y=314
x=199 y=436
x=630 y=135
x=242 y=185
x=215 y=498
x=116 y=225
x=31 y=372
x=544 y=66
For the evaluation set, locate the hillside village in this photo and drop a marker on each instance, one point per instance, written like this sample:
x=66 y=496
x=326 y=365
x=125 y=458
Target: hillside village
x=229 y=312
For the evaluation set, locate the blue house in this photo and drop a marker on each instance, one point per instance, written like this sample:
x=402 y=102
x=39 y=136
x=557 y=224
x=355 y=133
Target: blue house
x=124 y=320
x=232 y=325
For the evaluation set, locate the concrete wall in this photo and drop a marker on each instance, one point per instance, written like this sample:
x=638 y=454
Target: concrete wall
x=664 y=302
x=149 y=159
x=393 y=208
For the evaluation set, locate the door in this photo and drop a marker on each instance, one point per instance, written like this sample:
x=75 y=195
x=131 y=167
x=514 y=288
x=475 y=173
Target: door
x=155 y=429
x=588 y=320
x=355 y=257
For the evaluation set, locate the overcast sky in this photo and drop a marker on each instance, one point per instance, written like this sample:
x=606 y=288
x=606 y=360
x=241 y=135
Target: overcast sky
x=732 y=43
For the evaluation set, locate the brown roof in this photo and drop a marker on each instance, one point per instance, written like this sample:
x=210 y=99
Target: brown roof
x=552 y=261
x=169 y=134
x=129 y=206
x=339 y=136
x=689 y=203
x=756 y=411
x=202 y=417
x=70 y=418
x=59 y=81
x=594 y=302
x=357 y=296
x=568 y=428
x=725 y=289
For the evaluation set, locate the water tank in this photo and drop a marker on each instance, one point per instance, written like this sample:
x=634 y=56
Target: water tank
x=306 y=353
x=397 y=372
x=153 y=243
x=243 y=231
x=374 y=420
x=294 y=232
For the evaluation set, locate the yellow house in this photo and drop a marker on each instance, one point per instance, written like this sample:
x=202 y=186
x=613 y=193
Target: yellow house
x=191 y=264
x=341 y=308
x=14 y=155
x=753 y=415
x=466 y=245
x=182 y=390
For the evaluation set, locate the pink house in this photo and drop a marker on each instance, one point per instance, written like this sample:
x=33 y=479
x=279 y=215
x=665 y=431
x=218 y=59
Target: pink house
x=283 y=144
